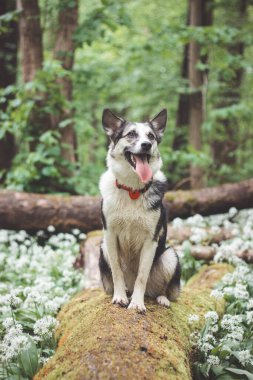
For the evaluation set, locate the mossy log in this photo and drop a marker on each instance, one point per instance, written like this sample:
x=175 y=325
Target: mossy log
x=37 y=211
x=98 y=340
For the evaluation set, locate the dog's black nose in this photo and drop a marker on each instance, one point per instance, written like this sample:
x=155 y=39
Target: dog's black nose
x=146 y=146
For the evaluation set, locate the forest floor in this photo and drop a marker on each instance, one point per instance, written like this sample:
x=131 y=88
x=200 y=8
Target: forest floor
x=40 y=273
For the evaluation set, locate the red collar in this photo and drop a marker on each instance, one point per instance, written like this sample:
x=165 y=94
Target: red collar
x=134 y=194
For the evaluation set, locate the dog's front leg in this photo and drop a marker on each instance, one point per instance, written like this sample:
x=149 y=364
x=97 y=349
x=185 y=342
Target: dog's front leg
x=146 y=259
x=119 y=293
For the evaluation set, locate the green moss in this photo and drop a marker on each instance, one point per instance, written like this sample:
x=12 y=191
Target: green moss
x=184 y=196
x=98 y=340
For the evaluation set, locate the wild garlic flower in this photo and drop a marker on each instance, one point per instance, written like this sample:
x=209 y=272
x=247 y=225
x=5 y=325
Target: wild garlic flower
x=232 y=212
x=250 y=304
x=241 y=292
x=214 y=360
x=205 y=347
x=13 y=343
x=212 y=316
x=229 y=322
x=193 y=318
x=236 y=335
x=45 y=327
x=51 y=228
x=218 y=294
x=245 y=357
x=177 y=223
x=249 y=317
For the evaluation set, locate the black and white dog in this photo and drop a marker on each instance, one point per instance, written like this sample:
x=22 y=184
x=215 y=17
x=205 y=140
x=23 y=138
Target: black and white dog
x=133 y=257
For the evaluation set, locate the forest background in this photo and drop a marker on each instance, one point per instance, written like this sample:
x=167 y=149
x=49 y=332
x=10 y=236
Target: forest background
x=63 y=62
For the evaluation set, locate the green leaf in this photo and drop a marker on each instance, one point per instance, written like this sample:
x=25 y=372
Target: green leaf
x=65 y=123
x=248 y=375
x=29 y=359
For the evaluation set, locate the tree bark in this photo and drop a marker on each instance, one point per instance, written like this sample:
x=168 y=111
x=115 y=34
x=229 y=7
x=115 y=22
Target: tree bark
x=31 y=49
x=37 y=211
x=64 y=51
x=182 y=121
x=98 y=340
x=200 y=15
x=8 y=64
x=223 y=150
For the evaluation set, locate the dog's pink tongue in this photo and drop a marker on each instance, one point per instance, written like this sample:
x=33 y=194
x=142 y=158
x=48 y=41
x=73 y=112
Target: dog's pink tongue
x=143 y=169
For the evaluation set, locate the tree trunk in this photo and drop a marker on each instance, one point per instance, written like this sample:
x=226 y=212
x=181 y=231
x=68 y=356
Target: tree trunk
x=37 y=211
x=230 y=86
x=64 y=51
x=8 y=64
x=182 y=121
x=31 y=50
x=200 y=15
x=98 y=340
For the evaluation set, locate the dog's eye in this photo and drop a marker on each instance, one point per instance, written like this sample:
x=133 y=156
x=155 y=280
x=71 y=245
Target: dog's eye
x=132 y=134
x=151 y=136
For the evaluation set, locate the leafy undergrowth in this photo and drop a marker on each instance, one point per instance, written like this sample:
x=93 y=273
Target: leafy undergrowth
x=37 y=277
x=224 y=346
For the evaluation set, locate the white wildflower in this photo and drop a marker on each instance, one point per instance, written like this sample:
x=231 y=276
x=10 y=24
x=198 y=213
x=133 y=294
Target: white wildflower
x=236 y=335
x=198 y=235
x=218 y=294
x=51 y=228
x=229 y=322
x=196 y=220
x=43 y=360
x=8 y=323
x=209 y=338
x=76 y=231
x=193 y=318
x=245 y=357
x=212 y=316
x=205 y=347
x=241 y=292
x=249 y=317
x=177 y=223
x=214 y=328
x=232 y=212
x=194 y=337
x=250 y=304
x=214 y=360
x=10 y=300
x=13 y=343
x=45 y=327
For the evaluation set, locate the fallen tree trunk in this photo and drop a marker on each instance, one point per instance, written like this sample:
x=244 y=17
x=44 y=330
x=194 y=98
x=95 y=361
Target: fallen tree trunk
x=98 y=340
x=37 y=211
x=207 y=253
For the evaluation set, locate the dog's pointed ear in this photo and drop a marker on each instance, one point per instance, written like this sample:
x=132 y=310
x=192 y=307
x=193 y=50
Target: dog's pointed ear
x=111 y=122
x=159 y=123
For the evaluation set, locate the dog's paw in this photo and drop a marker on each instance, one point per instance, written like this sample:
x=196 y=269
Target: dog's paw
x=137 y=305
x=121 y=300
x=162 y=300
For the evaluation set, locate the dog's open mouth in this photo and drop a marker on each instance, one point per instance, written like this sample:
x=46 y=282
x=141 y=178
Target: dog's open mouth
x=140 y=163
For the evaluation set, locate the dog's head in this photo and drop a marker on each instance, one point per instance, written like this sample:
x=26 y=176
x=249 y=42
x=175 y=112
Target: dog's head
x=134 y=146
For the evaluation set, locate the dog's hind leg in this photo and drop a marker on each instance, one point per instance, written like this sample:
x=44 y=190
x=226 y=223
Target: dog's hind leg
x=163 y=300
x=105 y=273
x=164 y=280
x=173 y=289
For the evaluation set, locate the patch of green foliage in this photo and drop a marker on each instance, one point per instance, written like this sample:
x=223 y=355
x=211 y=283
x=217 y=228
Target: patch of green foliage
x=37 y=277
x=129 y=57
